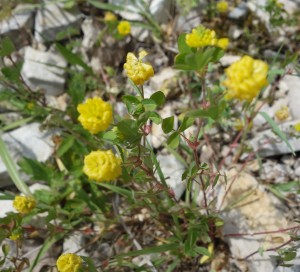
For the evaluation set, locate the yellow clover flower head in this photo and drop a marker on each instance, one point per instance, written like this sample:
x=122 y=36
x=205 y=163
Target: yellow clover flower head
x=136 y=70
x=282 y=113
x=24 y=204
x=109 y=17
x=95 y=115
x=69 y=262
x=202 y=36
x=222 y=6
x=102 y=166
x=297 y=127
x=124 y=28
x=245 y=78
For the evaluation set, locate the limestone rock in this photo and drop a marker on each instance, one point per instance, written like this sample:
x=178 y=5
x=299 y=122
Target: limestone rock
x=27 y=141
x=172 y=170
x=19 y=26
x=52 y=19
x=44 y=70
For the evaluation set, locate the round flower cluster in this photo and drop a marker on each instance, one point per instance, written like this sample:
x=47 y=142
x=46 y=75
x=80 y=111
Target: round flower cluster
x=282 y=113
x=102 y=166
x=109 y=17
x=95 y=115
x=202 y=36
x=124 y=28
x=24 y=204
x=245 y=78
x=69 y=262
x=136 y=70
x=222 y=6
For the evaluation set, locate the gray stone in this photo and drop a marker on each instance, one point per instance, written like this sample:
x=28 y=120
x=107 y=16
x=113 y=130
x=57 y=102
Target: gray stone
x=19 y=26
x=91 y=32
x=52 y=19
x=6 y=206
x=184 y=23
x=172 y=170
x=227 y=59
x=44 y=70
x=239 y=13
x=159 y=9
x=266 y=143
x=235 y=32
x=293 y=83
x=27 y=141
x=276 y=172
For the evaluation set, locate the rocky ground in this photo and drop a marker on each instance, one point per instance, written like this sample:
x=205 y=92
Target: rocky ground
x=272 y=173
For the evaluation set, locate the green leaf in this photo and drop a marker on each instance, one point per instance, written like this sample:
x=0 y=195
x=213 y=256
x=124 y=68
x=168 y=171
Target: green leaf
x=202 y=251
x=186 y=123
x=66 y=144
x=130 y=131
x=117 y=189
x=90 y=263
x=72 y=58
x=277 y=131
x=12 y=168
x=168 y=124
x=189 y=243
x=12 y=73
x=151 y=250
x=214 y=111
x=36 y=169
x=6 y=47
x=149 y=104
x=5 y=249
x=77 y=88
x=131 y=103
x=155 y=117
x=159 y=98
x=174 y=140
x=182 y=46
x=182 y=63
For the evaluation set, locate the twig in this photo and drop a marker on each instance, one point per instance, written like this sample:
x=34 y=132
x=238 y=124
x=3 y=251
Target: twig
x=261 y=233
x=269 y=249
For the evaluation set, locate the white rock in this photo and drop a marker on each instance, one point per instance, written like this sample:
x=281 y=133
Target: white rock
x=18 y=26
x=235 y=32
x=6 y=207
x=27 y=141
x=185 y=23
x=172 y=170
x=255 y=213
x=293 y=83
x=259 y=121
x=44 y=70
x=74 y=243
x=266 y=143
x=276 y=172
x=90 y=33
x=158 y=79
x=159 y=9
x=52 y=19
x=227 y=59
x=238 y=13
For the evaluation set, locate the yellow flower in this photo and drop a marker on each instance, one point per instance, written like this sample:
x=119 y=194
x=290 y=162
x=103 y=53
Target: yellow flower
x=95 y=115
x=24 y=204
x=245 y=78
x=69 y=262
x=297 y=127
x=15 y=236
x=222 y=6
x=109 y=17
x=102 y=166
x=282 y=113
x=202 y=36
x=205 y=258
x=223 y=43
x=124 y=28
x=136 y=70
